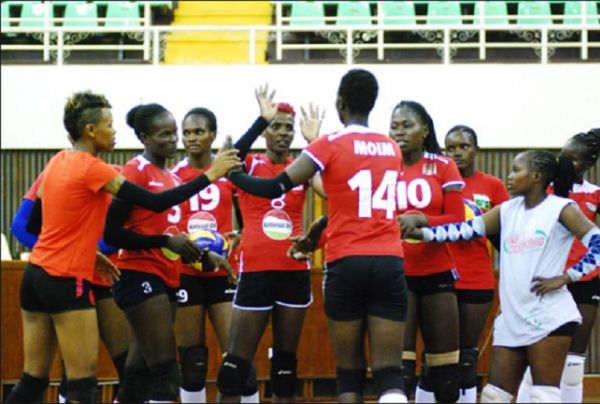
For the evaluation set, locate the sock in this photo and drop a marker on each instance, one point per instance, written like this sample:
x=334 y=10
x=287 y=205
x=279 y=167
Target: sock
x=524 y=393
x=393 y=398
x=468 y=395
x=254 y=398
x=61 y=399
x=192 y=396
x=424 y=396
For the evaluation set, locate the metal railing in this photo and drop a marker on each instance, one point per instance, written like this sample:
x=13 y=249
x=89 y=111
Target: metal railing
x=349 y=39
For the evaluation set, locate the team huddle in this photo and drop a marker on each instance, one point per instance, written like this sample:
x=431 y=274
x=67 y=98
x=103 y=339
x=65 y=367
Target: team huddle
x=138 y=255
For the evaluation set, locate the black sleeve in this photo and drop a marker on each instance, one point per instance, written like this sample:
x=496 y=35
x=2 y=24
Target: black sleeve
x=34 y=223
x=238 y=212
x=116 y=235
x=244 y=143
x=270 y=188
x=158 y=202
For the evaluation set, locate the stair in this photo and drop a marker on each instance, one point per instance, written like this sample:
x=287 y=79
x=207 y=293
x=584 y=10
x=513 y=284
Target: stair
x=218 y=47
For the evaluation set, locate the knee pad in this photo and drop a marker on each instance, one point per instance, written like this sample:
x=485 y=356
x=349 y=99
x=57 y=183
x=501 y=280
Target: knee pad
x=545 y=394
x=166 y=380
x=29 y=389
x=283 y=373
x=250 y=386
x=134 y=385
x=232 y=375
x=493 y=394
x=82 y=390
x=573 y=371
x=194 y=365
x=350 y=380
x=467 y=366
x=445 y=381
x=389 y=378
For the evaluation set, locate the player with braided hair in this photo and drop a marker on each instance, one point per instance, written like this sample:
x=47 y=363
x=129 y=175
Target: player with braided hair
x=583 y=148
x=475 y=288
x=430 y=185
x=538 y=314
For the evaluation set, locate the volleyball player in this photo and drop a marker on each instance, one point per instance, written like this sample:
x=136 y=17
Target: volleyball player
x=475 y=288
x=56 y=303
x=201 y=291
x=538 y=315
x=365 y=290
x=430 y=185
x=583 y=149
x=271 y=285
x=112 y=325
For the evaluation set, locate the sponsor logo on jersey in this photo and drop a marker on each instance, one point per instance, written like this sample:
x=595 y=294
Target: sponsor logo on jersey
x=482 y=201
x=524 y=243
x=368 y=148
x=201 y=221
x=155 y=184
x=170 y=231
x=277 y=225
x=229 y=291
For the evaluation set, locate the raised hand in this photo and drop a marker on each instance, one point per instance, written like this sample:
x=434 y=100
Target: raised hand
x=106 y=269
x=224 y=161
x=310 y=124
x=268 y=109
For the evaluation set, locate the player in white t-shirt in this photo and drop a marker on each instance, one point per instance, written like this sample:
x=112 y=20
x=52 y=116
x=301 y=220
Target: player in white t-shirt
x=538 y=314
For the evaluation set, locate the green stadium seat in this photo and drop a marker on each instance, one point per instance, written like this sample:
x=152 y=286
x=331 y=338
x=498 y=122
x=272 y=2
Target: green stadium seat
x=81 y=14
x=448 y=9
x=5 y=14
x=33 y=14
x=305 y=9
x=534 y=13
x=495 y=13
x=353 y=9
x=572 y=13
x=398 y=13
x=123 y=14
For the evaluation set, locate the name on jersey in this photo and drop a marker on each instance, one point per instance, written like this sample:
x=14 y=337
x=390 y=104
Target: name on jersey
x=367 y=148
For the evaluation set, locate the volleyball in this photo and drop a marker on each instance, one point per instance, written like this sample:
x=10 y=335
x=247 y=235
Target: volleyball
x=209 y=240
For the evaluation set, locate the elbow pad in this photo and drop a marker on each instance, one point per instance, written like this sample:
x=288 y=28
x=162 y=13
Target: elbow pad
x=468 y=230
x=591 y=260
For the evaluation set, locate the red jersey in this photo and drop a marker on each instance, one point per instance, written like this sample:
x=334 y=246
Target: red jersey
x=158 y=261
x=587 y=196
x=473 y=259
x=269 y=223
x=421 y=188
x=74 y=207
x=209 y=209
x=360 y=170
